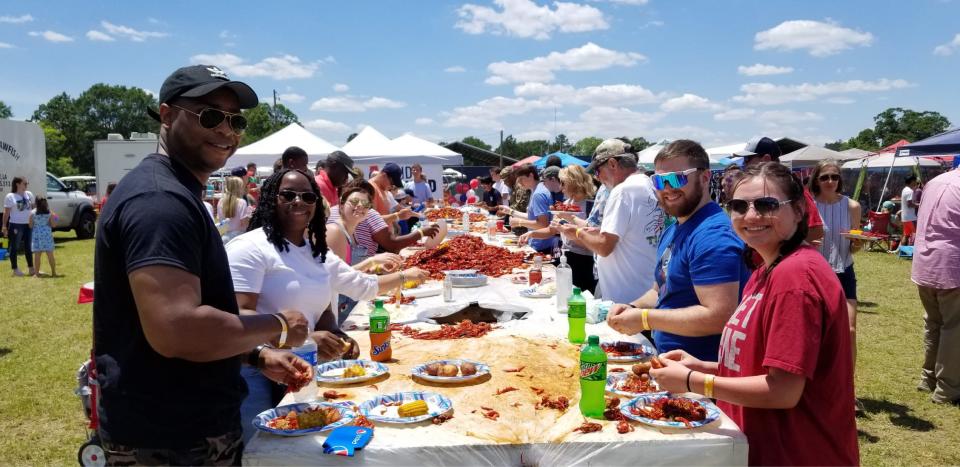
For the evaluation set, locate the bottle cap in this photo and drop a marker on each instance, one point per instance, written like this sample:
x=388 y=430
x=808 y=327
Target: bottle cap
x=576 y=290
x=378 y=303
x=593 y=340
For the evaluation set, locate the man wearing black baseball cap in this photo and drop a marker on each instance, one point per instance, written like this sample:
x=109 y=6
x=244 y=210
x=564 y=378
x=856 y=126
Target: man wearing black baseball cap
x=335 y=173
x=763 y=149
x=168 y=337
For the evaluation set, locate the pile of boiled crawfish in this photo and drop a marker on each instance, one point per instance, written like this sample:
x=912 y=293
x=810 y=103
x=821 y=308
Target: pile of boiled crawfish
x=465 y=252
x=443 y=213
x=462 y=330
x=677 y=410
x=564 y=207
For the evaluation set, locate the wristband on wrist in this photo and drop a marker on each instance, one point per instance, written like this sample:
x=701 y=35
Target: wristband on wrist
x=253 y=358
x=579 y=229
x=644 y=315
x=708 y=386
x=283 y=330
x=688 y=380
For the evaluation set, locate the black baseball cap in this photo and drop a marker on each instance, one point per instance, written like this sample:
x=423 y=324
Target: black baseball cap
x=343 y=159
x=200 y=80
x=759 y=146
x=393 y=171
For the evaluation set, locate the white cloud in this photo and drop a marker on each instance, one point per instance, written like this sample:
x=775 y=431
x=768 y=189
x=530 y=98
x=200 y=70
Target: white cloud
x=353 y=104
x=840 y=100
x=149 y=91
x=533 y=135
x=130 y=33
x=51 y=36
x=455 y=69
x=16 y=19
x=630 y=2
x=820 y=39
x=693 y=132
x=486 y=114
x=282 y=67
x=589 y=57
x=772 y=94
x=327 y=125
x=95 y=35
x=762 y=70
x=949 y=48
x=688 y=102
x=423 y=121
x=610 y=122
x=226 y=34
x=524 y=18
x=340 y=87
x=4 y=45
x=734 y=114
x=292 y=98
x=788 y=116
x=606 y=95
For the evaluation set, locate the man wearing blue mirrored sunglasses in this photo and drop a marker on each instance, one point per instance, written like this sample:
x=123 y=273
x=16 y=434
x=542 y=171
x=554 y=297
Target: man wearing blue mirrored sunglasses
x=699 y=272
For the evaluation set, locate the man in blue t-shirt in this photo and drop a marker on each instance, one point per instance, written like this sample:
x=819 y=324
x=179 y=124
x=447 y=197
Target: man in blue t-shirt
x=700 y=270
x=541 y=199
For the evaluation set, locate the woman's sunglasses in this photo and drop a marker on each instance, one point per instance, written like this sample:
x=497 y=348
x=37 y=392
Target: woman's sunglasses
x=360 y=203
x=211 y=118
x=764 y=206
x=675 y=179
x=829 y=178
x=289 y=196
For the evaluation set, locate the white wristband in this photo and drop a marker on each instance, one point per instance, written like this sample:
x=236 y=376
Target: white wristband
x=283 y=330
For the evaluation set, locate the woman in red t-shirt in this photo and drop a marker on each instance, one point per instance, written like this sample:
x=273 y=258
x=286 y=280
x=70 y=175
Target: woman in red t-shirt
x=785 y=372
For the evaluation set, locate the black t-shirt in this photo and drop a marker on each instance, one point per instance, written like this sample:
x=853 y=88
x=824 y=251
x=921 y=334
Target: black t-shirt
x=156 y=217
x=491 y=197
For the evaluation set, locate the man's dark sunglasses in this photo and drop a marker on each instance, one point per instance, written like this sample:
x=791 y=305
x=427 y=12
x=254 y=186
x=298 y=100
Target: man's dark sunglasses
x=211 y=118
x=289 y=196
x=764 y=206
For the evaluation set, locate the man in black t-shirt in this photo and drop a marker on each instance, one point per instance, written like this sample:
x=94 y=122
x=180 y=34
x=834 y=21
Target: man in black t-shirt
x=168 y=339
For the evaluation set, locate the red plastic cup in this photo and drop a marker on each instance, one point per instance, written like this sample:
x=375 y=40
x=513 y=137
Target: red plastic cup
x=499 y=225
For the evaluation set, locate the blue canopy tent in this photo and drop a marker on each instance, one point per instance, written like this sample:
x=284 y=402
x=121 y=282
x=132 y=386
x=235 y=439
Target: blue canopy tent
x=565 y=159
x=945 y=143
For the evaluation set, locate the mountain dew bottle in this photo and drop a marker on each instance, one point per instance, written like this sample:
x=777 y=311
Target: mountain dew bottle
x=593 y=378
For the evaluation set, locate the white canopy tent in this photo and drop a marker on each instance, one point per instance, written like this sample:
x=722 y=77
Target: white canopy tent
x=855 y=153
x=723 y=152
x=369 y=142
x=647 y=156
x=811 y=155
x=266 y=151
x=886 y=161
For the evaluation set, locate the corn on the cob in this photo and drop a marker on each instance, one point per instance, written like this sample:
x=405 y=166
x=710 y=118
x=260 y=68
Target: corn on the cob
x=413 y=409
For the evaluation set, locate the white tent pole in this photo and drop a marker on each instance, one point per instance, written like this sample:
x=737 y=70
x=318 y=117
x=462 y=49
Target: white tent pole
x=893 y=160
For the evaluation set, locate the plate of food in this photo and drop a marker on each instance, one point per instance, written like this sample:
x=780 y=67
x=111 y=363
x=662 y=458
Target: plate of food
x=405 y=407
x=670 y=411
x=541 y=290
x=622 y=351
x=544 y=258
x=564 y=208
x=349 y=371
x=303 y=418
x=632 y=383
x=450 y=371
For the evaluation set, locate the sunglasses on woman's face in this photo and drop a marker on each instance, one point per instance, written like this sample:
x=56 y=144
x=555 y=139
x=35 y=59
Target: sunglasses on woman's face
x=360 y=203
x=211 y=118
x=289 y=196
x=829 y=178
x=764 y=206
x=675 y=179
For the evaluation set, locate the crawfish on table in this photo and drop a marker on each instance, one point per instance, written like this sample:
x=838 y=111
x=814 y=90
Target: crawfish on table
x=505 y=390
x=677 y=410
x=588 y=427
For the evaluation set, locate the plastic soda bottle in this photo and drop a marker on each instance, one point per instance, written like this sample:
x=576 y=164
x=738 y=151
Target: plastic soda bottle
x=564 y=284
x=593 y=379
x=307 y=351
x=577 y=317
x=380 y=350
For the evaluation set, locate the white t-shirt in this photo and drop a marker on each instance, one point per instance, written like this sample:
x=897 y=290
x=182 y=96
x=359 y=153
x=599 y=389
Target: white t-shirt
x=632 y=214
x=20 y=207
x=504 y=191
x=235 y=222
x=909 y=213
x=293 y=280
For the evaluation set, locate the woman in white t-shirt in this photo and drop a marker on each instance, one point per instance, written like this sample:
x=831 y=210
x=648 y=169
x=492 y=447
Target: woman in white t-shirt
x=233 y=208
x=17 y=206
x=283 y=264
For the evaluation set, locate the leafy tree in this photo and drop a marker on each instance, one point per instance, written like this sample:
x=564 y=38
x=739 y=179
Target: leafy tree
x=264 y=120
x=866 y=140
x=5 y=110
x=560 y=143
x=639 y=143
x=586 y=146
x=537 y=147
x=59 y=161
x=509 y=147
x=896 y=123
x=838 y=145
x=476 y=142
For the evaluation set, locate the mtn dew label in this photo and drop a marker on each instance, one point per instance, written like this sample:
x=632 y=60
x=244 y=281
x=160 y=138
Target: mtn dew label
x=592 y=371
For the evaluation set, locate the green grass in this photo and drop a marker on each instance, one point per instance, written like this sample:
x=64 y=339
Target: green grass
x=45 y=335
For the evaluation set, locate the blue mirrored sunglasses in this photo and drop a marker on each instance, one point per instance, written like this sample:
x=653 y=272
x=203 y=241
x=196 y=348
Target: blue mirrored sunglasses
x=675 y=179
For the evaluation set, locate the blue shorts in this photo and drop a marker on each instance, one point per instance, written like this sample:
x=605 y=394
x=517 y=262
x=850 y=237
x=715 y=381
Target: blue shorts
x=848 y=280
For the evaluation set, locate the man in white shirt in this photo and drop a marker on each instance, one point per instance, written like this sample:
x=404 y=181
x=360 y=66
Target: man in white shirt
x=500 y=185
x=626 y=241
x=908 y=210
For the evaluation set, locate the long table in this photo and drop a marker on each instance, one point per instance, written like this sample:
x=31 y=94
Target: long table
x=523 y=435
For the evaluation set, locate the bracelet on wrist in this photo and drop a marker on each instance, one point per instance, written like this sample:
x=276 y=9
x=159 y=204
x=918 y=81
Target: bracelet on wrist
x=253 y=358
x=283 y=330
x=644 y=315
x=690 y=372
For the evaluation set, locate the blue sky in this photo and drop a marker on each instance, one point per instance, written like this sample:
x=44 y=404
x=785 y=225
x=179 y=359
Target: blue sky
x=715 y=71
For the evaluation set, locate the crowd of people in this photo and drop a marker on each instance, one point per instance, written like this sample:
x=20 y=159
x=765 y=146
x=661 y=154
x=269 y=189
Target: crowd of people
x=752 y=303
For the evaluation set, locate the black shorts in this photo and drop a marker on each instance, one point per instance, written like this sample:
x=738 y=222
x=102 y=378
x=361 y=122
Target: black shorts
x=848 y=280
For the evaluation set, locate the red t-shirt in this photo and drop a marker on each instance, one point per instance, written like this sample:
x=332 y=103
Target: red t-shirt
x=327 y=189
x=795 y=320
x=813 y=216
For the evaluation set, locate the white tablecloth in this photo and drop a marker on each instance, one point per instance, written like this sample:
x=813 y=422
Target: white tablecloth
x=717 y=444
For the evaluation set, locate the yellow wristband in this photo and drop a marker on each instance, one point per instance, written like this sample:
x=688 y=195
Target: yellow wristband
x=283 y=330
x=643 y=314
x=579 y=229
x=708 y=386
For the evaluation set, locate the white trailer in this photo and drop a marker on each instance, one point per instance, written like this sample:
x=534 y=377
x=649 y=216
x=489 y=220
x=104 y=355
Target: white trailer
x=115 y=156
x=23 y=153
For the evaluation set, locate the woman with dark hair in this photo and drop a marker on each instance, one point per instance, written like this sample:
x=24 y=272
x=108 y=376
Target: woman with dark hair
x=282 y=263
x=840 y=214
x=785 y=372
x=17 y=206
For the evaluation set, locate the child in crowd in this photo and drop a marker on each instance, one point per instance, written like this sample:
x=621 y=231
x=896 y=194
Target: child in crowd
x=41 y=221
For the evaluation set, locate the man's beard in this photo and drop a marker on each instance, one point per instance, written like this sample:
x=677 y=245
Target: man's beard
x=688 y=204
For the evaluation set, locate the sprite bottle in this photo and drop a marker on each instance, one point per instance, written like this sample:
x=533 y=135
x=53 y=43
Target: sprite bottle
x=593 y=379
x=380 y=350
x=577 y=317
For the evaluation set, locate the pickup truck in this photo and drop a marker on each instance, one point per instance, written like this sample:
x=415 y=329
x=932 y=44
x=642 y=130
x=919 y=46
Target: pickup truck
x=74 y=209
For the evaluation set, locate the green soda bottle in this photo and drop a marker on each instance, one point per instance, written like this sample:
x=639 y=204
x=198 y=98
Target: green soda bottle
x=593 y=379
x=380 y=350
x=577 y=317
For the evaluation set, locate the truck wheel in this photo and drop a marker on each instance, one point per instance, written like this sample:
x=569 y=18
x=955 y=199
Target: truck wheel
x=86 y=225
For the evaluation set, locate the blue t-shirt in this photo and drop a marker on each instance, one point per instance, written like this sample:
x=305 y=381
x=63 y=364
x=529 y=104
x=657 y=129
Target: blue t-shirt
x=540 y=202
x=704 y=250
x=421 y=191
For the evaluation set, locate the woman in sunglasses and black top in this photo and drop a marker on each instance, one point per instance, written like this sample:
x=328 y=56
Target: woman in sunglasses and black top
x=785 y=372
x=283 y=263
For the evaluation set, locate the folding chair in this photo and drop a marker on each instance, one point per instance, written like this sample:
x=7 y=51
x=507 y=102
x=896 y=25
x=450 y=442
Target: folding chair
x=879 y=238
